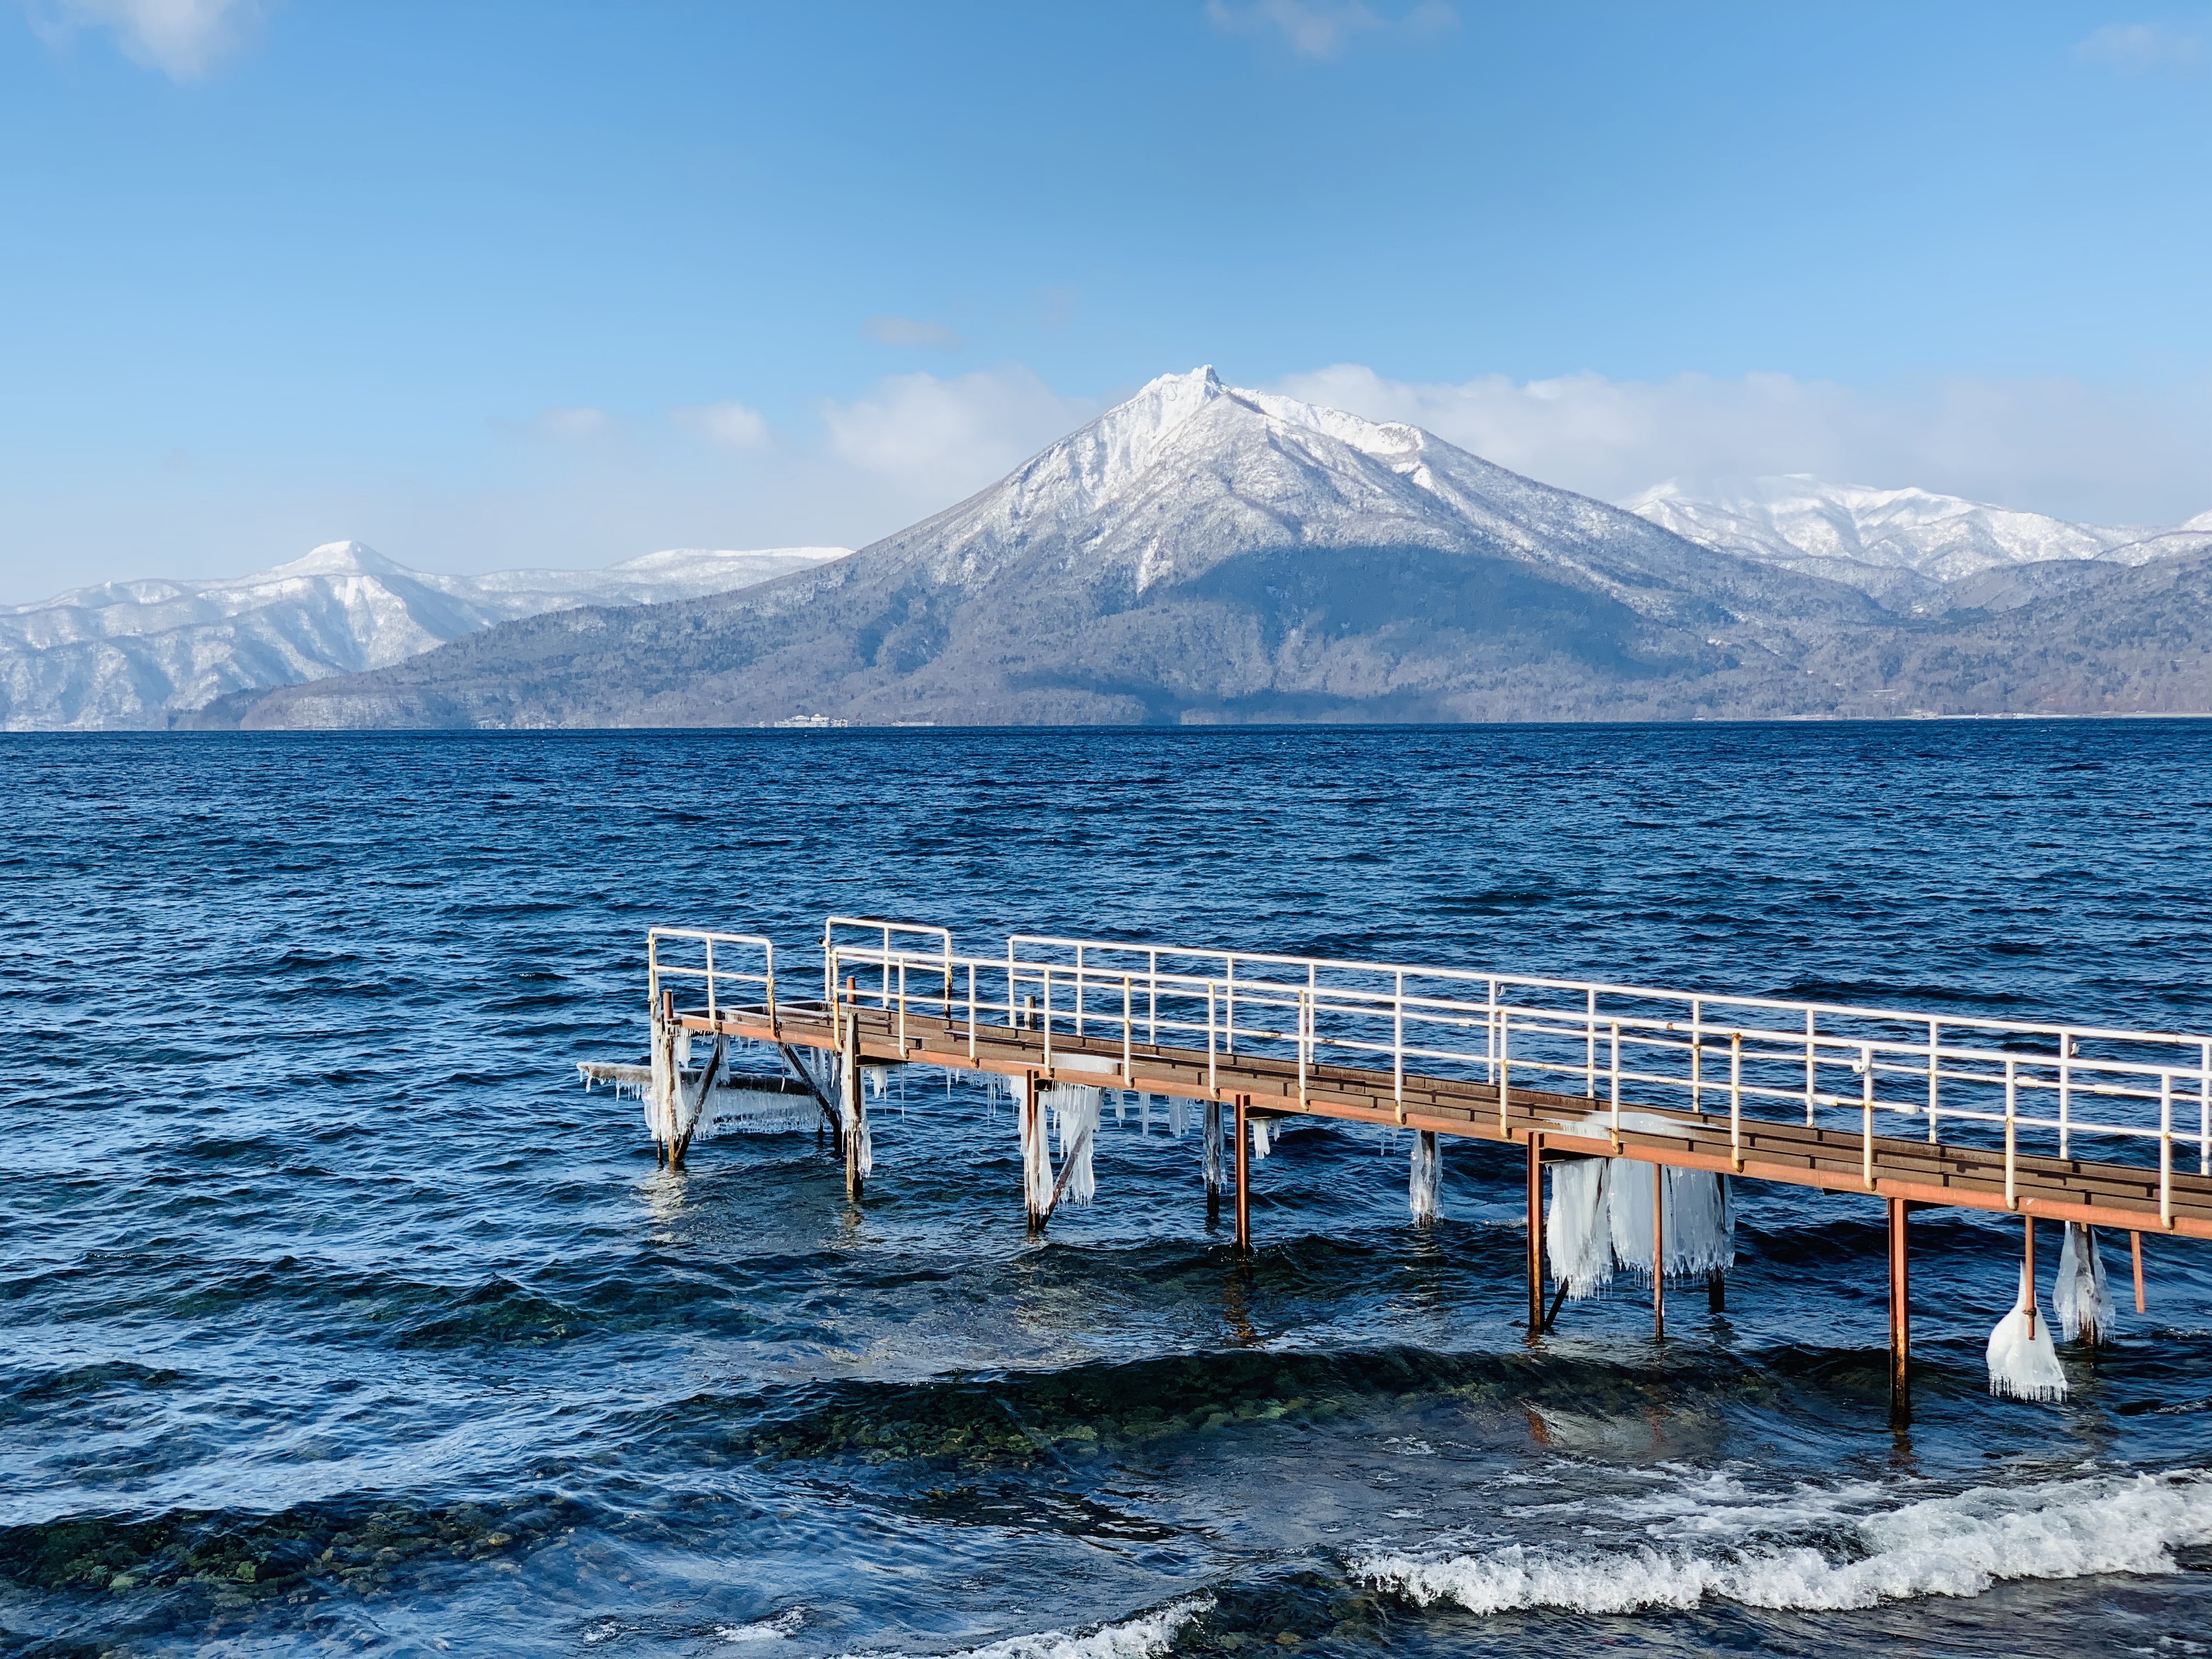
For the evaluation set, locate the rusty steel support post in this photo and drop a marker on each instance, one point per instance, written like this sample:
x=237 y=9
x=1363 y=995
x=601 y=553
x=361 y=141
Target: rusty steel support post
x=2134 y=1249
x=1900 y=1318
x=1244 y=1180
x=1535 y=1234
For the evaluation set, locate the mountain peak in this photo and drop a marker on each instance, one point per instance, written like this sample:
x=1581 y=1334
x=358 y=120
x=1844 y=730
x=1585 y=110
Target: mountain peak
x=342 y=559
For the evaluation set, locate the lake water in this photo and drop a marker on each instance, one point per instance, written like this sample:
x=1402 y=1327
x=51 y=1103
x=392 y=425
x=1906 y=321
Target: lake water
x=338 y=1318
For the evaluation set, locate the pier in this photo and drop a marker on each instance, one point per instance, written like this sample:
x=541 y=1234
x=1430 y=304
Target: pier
x=2112 y=1128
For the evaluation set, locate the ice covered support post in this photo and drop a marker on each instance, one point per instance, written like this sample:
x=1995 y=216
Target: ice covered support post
x=1535 y=1234
x=1212 y=1163
x=1658 y=1251
x=1243 y=1179
x=1900 y=1319
x=856 y=1102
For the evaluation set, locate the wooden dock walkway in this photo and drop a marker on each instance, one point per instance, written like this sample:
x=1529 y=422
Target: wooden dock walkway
x=1564 y=1069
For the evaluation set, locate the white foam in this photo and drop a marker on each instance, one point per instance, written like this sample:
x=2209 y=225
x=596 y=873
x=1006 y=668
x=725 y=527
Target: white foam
x=1955 y=1546
x=1147 y=1636
x=765 y=1629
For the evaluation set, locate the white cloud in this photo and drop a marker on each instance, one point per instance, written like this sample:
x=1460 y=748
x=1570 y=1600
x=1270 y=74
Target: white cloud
x=1324 y=28
x=575 y=424
x=738 y=425
x=944 y=439
x=184 y=38
x=2112 y=454
x=910 y=331
x=2141 y=48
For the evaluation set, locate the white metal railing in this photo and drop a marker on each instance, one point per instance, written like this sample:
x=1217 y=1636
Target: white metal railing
x=751 y=976
x=1838 y=1066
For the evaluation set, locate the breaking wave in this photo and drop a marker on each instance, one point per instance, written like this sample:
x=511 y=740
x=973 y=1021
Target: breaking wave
x=1147 y=1636
x=1958 y=1546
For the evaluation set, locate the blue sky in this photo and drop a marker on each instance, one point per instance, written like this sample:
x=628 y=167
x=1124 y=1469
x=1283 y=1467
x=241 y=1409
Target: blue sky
x=488 y=284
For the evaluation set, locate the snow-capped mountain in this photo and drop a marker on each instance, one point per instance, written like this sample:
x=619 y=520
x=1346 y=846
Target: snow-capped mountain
x=1200 y=551
x=1903 y=546
x=132 y=653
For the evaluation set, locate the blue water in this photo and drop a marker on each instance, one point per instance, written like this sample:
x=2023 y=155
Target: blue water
x=339 y=1319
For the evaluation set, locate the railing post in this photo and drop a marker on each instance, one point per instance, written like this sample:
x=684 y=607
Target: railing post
x=1305 y=1041
x=1504 y=1067
x=1811 y=1082
x=1866 y=1116
x=1129 y=1026
x=1081 y=984
x=1152 y=996
x=1212 y=1072
x=1398 y=1044
x=1048 y=1016
x=1934 y=1069
x=1616 y=1085
x=2065 y=1096
x=711 y=1013
x=2166 y=1150
x=971 y=1012
x=2205 y=1109
x=1698 y=1054
x=2012 y=1101
x=1735 y=1100
x=1589 y=1042
x=901 y=1011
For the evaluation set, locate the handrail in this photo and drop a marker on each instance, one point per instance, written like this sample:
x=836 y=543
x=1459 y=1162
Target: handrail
x=1609 y=1044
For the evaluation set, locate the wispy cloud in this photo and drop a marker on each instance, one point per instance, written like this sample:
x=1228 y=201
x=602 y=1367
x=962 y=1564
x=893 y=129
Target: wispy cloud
x=910 y=331
x=2143 y=49
x=574 y=425
x=737 y=426
x=2117 y=455
x=944 y=439
x=183 y=39
x=1325 y=29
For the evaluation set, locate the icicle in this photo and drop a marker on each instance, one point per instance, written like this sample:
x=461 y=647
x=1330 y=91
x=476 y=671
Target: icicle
x=1700 y=1223
x=1144 y=1115
x=1036 y=1157
x=1421 y=1188
x=1577 y=1234
x=1178 y=1117
x=1075 y=1119
x=1120 y=1108
x=875 y=1078
x=1214 y=1145
x=2081 y=1301
x=1259 y=1137
x=2022 y=1363
x=1628 y=1213
x=854 y=1114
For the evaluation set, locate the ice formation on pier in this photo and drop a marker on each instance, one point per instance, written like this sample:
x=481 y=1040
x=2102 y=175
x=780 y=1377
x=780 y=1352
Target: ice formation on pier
x=1599 y=1218
x=1421 y=1185
x=1075 y=1122
x=2022 y=1361
x=2082 y=1298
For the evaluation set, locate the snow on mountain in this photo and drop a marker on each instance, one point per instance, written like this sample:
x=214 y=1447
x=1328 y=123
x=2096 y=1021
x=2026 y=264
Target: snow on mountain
x=1901 y=546
x=1200 y=551
x=132 y=653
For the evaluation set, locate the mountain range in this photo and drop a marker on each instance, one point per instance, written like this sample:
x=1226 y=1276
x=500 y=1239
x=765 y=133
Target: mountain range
x=1204 y=552
x=1917 y=552
x=139 y=653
